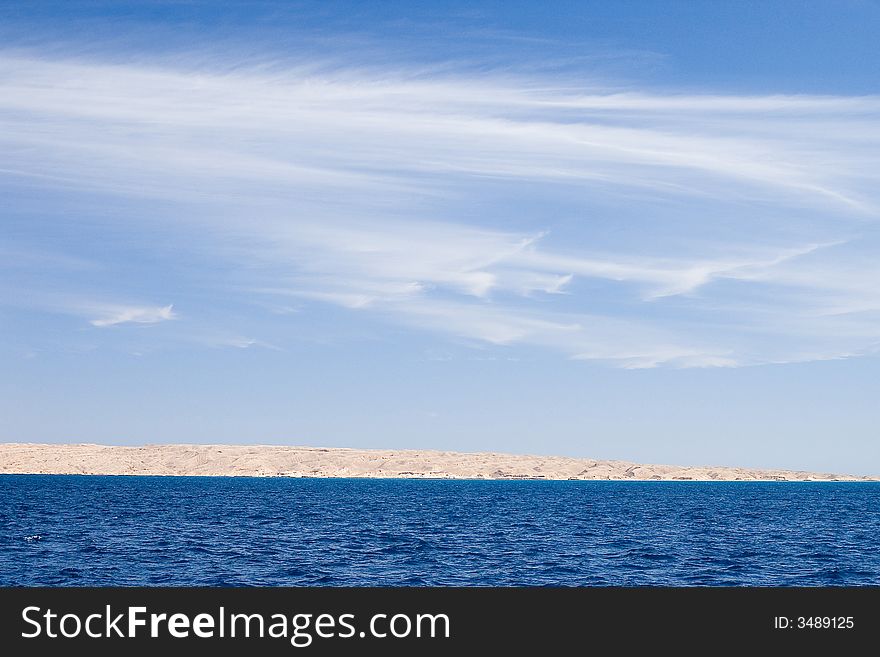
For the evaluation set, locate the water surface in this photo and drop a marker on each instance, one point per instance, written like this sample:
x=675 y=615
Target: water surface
x=92 y=530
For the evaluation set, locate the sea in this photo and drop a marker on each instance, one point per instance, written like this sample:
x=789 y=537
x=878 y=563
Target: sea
x=242 y=531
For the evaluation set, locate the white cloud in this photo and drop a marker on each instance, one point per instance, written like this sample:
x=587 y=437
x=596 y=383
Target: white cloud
x=748 y=219
x=115 y=315
x=362 y=129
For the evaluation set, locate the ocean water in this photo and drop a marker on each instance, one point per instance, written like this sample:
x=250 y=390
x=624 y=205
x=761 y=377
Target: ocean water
x=78 y=531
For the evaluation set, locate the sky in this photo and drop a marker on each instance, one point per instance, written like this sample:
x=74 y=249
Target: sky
x=633 y=230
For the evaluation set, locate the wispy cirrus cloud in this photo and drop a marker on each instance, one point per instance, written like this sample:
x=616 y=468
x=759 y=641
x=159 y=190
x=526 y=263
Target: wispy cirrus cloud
x=478 y=207
x=357 y=128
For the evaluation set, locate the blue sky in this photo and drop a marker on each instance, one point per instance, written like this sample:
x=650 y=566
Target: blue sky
x=634 y=230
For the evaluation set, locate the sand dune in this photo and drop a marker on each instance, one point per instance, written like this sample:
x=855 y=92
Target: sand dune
x=276 y=461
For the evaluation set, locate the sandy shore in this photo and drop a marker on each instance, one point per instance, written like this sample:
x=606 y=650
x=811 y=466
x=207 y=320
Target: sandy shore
x=275 y=461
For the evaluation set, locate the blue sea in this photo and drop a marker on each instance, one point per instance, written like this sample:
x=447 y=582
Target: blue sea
x=90 y=530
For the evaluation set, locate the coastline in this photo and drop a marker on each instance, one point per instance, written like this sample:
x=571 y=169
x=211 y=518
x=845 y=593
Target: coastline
x=337 y=462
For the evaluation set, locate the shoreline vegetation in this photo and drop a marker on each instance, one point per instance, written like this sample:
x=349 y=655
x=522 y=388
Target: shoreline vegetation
x=288 y=461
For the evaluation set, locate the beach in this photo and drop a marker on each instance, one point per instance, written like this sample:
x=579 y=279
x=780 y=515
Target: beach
x=325 y=462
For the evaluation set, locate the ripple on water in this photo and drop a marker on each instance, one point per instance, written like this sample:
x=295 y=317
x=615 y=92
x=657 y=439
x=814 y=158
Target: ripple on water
x=243 y=532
